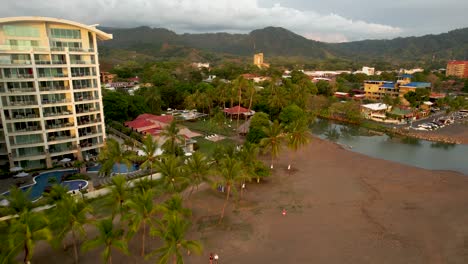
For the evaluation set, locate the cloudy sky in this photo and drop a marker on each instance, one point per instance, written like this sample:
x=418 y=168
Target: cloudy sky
x=325 y=20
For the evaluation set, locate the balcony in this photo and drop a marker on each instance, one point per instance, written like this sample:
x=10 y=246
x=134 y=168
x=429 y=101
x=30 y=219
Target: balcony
x=22 y=48
x=53 y=88
x=29 y=144
x=57 y=114
x=83 y=74
x=55 y=101
x=93 y=121
x=80 y=50
x=50 y=62
x=19 y=76
x=21 y=117
x=20 y=90
x=54 y=139
x=55 y=75
x=25 y=130
x=30 y=155
x=15 y=62
x=56 y=151
x=57 y=126
x=82 y=62
x=21 y=103
x=84 y=99
x=83 y=87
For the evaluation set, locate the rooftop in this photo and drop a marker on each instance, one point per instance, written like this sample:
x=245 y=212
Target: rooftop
x=390 y=85
x=376 y=106
x=418 y=85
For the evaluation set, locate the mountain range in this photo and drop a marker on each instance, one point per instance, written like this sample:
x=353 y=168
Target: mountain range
x=159 y=43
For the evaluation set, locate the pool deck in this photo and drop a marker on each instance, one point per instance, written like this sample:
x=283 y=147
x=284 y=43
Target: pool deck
x=91 y=194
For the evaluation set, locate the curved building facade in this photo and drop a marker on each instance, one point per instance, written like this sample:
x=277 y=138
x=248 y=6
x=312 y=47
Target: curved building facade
x=50 y=93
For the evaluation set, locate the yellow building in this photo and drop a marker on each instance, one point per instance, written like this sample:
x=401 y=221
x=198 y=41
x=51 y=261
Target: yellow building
x=258 y=61
x=412 y=87
x=50 y=93
x=377 y=90
x=457 y=68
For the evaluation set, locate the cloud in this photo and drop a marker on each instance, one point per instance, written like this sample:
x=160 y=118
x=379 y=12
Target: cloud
x=203 y=16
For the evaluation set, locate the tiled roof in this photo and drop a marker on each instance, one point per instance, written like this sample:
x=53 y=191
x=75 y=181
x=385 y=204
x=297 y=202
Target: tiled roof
x=236 y=109
x=164 y=119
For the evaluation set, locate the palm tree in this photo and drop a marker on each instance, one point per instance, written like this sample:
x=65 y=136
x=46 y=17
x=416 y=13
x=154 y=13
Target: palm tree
x=118 y=194
x=153 y=100
x=298 y=136
x=141 y=213
x=171 y=133
x=248 y=157
x=18 y=200
x=198 y=169
x=174 y=205
x=171 y=171
x=56 y=193
x=149 y=149
x=231 y=173
x=27 y=229
x=70 y=215
x=250 y=91
x=273 y=140
x=109 y=237
x=173 y=232
x=277 y=97
x=111 y=154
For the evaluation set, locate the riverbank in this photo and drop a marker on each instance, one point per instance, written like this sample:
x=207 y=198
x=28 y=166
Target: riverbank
x=453 y=134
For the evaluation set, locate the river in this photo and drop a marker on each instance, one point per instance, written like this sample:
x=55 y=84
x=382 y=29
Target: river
x=414 y=152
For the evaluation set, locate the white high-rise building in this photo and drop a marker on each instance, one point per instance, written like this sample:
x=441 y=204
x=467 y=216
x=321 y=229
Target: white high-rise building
x=50 y=93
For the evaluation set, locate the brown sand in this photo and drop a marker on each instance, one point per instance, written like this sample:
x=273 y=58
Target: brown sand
x=342 y=207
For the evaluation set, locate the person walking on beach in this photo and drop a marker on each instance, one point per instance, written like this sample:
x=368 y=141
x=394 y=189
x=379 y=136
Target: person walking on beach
x=211 y=258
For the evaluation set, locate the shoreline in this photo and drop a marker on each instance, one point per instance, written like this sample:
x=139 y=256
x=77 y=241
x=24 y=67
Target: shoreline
x=428 y=136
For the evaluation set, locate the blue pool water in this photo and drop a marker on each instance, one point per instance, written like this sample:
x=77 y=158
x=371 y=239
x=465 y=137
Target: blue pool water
x=42 y=181
x=117 y=168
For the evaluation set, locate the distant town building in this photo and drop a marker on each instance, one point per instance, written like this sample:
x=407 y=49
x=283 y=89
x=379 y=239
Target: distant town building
x=411 y=71
x=366 y=70
x=200 y=65
x=377 y=90
x=457 y=68
x=50 y=91
x=258 y=61
x=107 y=77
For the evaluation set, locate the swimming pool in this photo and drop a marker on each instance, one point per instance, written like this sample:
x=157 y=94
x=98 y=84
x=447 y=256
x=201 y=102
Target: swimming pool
x=42 y=180
x=117 y=168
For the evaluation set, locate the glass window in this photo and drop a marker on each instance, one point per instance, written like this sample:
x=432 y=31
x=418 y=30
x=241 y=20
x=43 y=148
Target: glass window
x=21 y=31
x=65 y=33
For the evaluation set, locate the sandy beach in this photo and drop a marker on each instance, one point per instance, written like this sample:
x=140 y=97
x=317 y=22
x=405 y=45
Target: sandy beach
x=342 y=207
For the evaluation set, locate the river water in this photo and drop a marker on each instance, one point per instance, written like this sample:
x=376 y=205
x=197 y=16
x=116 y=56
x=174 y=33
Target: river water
x=414 y=152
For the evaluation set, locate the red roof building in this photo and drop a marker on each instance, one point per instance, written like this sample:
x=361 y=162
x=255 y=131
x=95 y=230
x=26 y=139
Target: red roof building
x=145 y=122
x=236 y=110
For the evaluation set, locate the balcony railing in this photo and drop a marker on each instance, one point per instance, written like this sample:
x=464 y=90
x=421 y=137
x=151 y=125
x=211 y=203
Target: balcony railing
x=79 y=111
x=82 y=62
x=50 y=62
x=27 y=143
x=55 y=101
x=82 y=99
x=30 y=154
x=21 y=103
x=80 y=50
x=53 y=88
x=19 y=76
x=55 y=75
x=57 y=113
x=22 y=116
x=26 y=129
x=82 y=74
x=79 y=87
x=62 y=149
x=59 y=138
x=93 y=121
x=15 y=62
x=88 y=133
x=55 y=126
x=20 y=90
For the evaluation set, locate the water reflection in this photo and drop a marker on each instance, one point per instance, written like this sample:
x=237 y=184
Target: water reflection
x=442 y=145
x=411 y=151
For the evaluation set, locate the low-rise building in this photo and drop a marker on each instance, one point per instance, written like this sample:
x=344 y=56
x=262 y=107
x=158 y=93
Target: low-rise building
x=107 y=77
x=374 y=111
